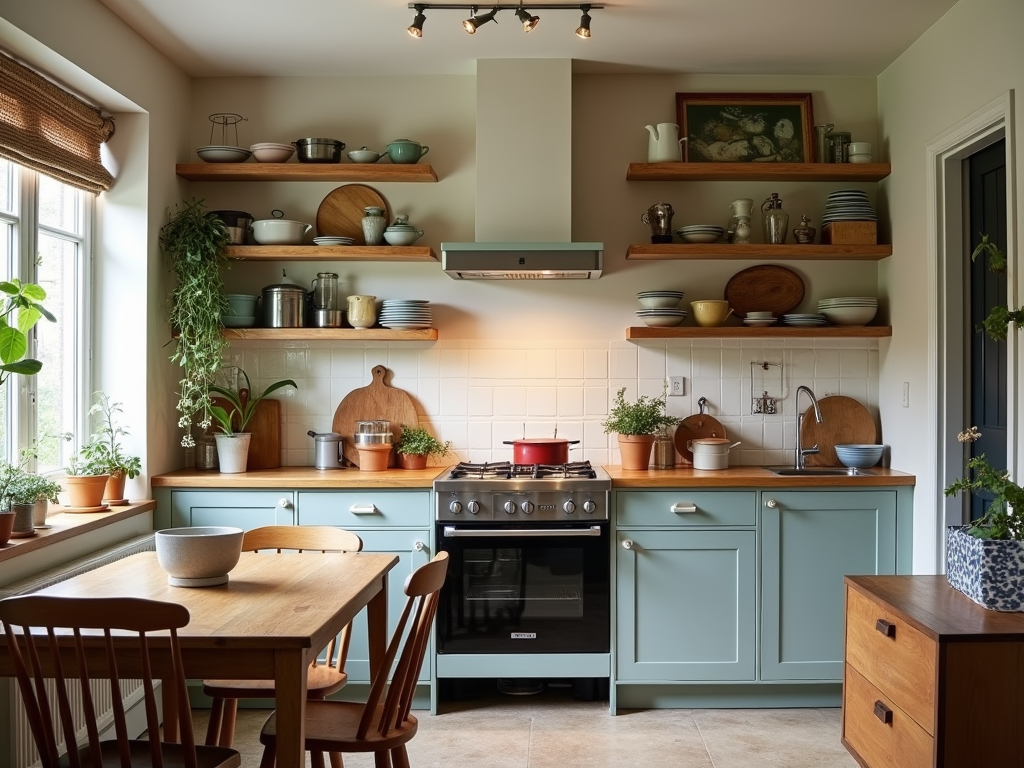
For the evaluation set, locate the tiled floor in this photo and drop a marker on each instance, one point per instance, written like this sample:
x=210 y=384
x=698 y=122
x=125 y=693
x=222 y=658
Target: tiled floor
x=562 y=733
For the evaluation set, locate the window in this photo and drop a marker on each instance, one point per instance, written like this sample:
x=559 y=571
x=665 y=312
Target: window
x=44 y=226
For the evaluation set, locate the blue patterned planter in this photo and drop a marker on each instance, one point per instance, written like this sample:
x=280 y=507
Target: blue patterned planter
x=989 y=572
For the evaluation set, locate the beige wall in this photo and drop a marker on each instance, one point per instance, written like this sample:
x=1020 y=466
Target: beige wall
x=967 y=59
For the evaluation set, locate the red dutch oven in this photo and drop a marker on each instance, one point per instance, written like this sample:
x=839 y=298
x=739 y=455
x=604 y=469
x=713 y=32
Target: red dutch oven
x=540 y=450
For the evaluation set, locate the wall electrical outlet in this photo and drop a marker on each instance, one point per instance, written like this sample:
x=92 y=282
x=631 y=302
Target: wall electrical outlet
x=906 y=394
x=676 y=385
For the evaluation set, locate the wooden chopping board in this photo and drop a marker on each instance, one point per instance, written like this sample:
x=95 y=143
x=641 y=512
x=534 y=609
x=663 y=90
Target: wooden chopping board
x=341 y=212
x=696 y=426
x=374 y=401
x=764 y=288
x=844 y=420
x=265 y=426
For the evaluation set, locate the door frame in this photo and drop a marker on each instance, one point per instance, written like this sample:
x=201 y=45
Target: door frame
x=947 y=239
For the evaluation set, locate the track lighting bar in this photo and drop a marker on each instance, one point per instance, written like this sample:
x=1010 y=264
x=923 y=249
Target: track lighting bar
x=475 y=21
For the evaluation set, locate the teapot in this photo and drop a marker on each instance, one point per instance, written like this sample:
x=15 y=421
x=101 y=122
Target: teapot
x=664 y=144
x=406 y=151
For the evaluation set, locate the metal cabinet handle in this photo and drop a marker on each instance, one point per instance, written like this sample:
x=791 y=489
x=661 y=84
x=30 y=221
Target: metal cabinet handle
x=771 y=503
x=684 y=508
x=284 y=503
x=419 y=546
x=883 y=713
x=886 y=628
x=627 y=544
x=364 y=509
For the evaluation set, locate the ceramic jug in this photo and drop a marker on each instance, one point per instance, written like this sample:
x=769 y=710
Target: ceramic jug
x=406 y=151
x=362 y=312
x=374 y=225
x=664 y=144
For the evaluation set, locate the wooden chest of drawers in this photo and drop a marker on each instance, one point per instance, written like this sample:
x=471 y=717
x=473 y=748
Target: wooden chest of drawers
x=932 y=680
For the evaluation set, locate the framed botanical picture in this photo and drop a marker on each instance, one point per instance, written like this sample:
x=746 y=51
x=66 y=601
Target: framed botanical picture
x=746 y=127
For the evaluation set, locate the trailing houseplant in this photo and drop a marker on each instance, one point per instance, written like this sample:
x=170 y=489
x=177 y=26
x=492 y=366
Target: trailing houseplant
x=232 y=439
x=637 y=424
x=105 y=448
x=416 y=445
x=195 y=239
x=21 y=310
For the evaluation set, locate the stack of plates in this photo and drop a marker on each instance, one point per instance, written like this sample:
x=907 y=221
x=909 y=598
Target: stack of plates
x=405 y=313
x=662 y=318
x=333 y=240
x=804 y=320
x=700 y=233
x=849 y=310
x=659 y=299
x=848 y=205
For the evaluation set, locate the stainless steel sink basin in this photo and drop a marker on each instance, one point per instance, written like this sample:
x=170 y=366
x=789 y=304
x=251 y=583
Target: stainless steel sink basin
x=816 y=471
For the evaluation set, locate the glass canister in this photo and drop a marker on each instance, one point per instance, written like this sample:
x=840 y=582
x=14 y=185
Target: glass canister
x=374 y=225
x=206 y=452
x=824 y=139
x=664 y=452
x=837 y=146
x=774 y=220
x=325 y=290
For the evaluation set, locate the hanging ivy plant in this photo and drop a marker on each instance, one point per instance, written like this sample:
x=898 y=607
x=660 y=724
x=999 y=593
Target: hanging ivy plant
x=194 y=238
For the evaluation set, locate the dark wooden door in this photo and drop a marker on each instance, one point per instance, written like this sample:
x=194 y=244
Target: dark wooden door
x=988 y=373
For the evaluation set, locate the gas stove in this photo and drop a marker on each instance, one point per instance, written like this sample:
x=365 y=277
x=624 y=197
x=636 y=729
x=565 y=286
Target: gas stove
x=503 y=492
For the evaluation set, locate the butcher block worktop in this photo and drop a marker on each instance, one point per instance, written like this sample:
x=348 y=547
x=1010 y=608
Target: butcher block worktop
x=300 y=477
x=749 y=477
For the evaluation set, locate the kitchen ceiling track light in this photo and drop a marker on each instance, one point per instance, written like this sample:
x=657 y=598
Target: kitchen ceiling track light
x=525 y=16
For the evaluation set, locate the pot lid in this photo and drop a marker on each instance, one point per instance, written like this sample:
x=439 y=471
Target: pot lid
x=540 y=441
x=711 y=441
x=284 y=288
x=326 y=437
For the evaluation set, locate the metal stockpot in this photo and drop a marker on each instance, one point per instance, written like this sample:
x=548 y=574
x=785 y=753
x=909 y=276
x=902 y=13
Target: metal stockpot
x=284 y=306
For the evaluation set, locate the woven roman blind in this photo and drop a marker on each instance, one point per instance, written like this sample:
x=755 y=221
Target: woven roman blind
x=45 y=128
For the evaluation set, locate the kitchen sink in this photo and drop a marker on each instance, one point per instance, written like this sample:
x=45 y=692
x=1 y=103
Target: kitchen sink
x=816 y=471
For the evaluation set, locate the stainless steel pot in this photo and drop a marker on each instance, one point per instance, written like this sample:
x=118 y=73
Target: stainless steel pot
x=284 y=306
x=328 y=318
x=319 y=150
x=237 y=222
x=327 y=454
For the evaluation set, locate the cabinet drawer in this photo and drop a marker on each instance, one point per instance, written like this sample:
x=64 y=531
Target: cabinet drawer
x=894 y=656
x=883 y=735
x=685 y=507
x=370 y=508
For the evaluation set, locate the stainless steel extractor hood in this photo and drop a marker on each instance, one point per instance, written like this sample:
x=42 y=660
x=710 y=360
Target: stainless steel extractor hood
x=522 y=261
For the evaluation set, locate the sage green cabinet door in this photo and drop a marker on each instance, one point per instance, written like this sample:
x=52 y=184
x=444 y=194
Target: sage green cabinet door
x=810 y=541
x=241 y=509
x=686 y=602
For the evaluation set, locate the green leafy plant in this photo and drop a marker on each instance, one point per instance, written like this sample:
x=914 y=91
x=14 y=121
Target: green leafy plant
x=644 y=417
x=19 y=486
x=1000 y=316
x=195 y=239
x=1004 y=518
x=242 y=407
x=417 y=441
x=23 y=301
x=105 y=446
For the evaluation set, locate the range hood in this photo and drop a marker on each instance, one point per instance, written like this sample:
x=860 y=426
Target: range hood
x=522 y=261
x=523 y=178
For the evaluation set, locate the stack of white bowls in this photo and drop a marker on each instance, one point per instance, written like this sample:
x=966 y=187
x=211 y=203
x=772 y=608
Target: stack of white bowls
x=700 y=233
x=405 y=314
x=802 y=320
x=660 y=308
x=848 y=205
x=849 y=310
x=272 y=152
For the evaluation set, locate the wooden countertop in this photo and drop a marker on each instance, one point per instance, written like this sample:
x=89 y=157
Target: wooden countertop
x=299 y=477
x=749 y=477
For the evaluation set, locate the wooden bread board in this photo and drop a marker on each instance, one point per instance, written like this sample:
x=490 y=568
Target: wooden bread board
x=265 y=426
x=341 y=212
x=377 y=400
x=844 y=421
x=764 y=288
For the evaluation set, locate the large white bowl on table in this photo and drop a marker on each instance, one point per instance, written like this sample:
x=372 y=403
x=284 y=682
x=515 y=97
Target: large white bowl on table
x=200 y=556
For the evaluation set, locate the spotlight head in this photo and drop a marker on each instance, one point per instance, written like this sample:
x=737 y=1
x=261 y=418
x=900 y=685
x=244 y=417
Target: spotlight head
x=416 y=28
x=583 y=30
x=529 y=22
x=471 y=25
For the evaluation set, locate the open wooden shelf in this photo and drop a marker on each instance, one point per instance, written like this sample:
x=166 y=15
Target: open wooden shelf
x=731 y=251
x=330 y=334
x=757 y=171
x=781 y=332
x=370 y=172
x=413 y=253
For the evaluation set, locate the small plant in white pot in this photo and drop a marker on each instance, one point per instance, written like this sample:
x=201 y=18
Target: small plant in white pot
x=637 y=424
x=105 y=449
x=416 y=445
x=232 y=439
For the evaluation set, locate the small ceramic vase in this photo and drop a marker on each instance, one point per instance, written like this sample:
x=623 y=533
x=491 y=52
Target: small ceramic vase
x=374 y=225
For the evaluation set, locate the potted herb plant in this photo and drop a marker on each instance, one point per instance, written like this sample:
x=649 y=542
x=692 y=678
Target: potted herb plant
x=232 y=439
x=85 y=482
x=21 y=494
x=195 y=239
x=637 y=424
x=416 y=444
x=105 y=449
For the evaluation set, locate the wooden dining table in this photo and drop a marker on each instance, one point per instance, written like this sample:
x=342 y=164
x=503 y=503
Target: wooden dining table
x=269 y=622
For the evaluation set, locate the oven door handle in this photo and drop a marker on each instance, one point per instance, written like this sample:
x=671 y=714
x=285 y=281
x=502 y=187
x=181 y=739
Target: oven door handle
x=451 y=532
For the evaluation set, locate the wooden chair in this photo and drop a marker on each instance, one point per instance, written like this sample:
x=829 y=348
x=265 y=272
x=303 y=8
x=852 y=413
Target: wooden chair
x=383 y=725
x=91 y=655
x=321 y=679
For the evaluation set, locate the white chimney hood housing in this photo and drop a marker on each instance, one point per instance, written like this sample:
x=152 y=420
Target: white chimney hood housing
x=523 y=178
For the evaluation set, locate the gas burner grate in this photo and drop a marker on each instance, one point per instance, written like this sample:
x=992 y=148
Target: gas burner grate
x=573 y=469
x=499 y=469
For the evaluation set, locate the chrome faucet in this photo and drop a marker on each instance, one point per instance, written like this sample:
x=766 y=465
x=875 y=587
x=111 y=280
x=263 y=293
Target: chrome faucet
x=801 y=452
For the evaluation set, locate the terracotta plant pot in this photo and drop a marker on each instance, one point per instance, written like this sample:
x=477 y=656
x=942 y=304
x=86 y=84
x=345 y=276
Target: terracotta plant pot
x=233 y=452
x=6 y=526
x=636 y=451
x=412 y=461
x=114 y=491
x=374 y=457
x=85 y=491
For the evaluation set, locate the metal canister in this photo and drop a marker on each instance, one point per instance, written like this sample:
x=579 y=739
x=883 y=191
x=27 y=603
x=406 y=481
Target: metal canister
x=284 y=306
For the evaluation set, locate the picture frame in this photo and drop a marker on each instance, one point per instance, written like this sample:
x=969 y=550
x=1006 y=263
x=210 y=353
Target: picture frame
x=746 y=127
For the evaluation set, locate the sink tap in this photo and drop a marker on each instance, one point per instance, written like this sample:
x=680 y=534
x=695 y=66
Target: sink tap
x=801 y=452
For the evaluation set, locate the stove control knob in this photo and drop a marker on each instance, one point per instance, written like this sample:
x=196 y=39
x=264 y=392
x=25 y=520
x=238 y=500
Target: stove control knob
x=528 y=507
x=589 y=507
x=569 y=507
x=473 y=507
x=510 y=507
x=455 y=507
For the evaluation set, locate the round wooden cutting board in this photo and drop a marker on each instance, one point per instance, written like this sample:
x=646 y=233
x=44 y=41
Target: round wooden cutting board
x=694 y=427
x=341 y=212
x=764 y=288
x=375 y=401
x=844 y=421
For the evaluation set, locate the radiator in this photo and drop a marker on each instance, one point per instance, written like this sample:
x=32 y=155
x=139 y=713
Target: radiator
x=23 y=753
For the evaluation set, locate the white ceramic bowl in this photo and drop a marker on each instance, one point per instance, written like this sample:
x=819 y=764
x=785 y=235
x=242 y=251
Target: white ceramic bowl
x=200 y=556
x=403 y=237
x=848 y=315
x=659 y=302
x=279 y=231
x=860 y=456
x=861 y=158
x=364 y=155
x=662 y=321
x=272 y=153
x=221 y=154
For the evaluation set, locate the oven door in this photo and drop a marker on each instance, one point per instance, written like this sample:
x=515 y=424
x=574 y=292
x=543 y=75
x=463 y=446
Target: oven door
x=515 y=589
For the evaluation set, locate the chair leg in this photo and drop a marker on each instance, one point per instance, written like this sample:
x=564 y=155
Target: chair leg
x=269 y=758
x=227 y=727
x=382 y=759
x=337 y=761
x=216 y=716
x=400 y=757
x=316 y=760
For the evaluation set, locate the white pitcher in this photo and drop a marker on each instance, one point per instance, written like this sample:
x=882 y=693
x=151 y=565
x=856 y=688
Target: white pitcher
x=664 y=144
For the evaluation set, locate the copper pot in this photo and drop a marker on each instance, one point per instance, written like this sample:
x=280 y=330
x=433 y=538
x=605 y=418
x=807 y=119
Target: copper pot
x=540 y=450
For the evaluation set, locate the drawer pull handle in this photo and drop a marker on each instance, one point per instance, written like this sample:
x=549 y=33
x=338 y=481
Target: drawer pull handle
x=886 y=628
x=364 y=509
x=883 y=713
x=684 y=508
